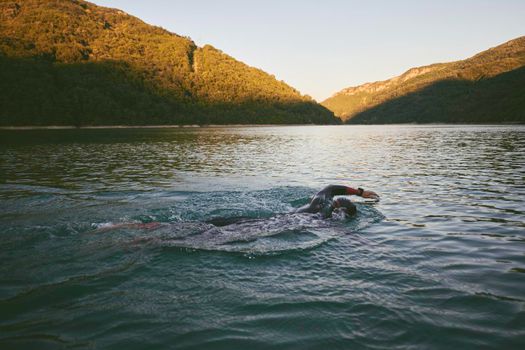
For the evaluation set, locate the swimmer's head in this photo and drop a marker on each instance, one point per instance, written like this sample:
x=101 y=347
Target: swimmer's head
x=345 y=205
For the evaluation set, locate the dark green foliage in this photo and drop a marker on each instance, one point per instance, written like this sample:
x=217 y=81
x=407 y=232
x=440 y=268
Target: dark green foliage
x=500 y=99
x=69 y=62
x=489 y=87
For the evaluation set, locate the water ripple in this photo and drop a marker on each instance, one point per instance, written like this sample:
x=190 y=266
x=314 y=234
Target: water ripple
x=438 y=263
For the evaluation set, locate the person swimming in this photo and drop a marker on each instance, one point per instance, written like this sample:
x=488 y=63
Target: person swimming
x=325 y=203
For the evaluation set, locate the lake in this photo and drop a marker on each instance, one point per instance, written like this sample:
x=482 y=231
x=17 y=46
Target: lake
x=438 y=263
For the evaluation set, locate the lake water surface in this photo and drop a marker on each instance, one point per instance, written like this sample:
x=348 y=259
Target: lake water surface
x=438 y=263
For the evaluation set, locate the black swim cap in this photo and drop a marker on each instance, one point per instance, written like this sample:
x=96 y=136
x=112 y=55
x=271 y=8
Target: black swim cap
x=347 y=205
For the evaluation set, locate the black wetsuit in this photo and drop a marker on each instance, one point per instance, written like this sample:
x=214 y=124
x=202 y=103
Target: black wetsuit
x=323 y=202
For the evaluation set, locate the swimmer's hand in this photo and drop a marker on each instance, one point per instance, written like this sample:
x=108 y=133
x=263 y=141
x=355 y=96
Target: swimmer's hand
x=370 y=194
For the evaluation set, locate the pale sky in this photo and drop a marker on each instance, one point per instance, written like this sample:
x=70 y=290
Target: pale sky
x=322 y=46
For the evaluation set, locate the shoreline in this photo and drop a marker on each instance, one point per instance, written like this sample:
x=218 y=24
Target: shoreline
x=176 y=126
x=189 y=126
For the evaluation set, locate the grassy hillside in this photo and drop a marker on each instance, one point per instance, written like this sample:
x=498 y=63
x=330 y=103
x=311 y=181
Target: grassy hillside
x=68 y=62
x=488 y=87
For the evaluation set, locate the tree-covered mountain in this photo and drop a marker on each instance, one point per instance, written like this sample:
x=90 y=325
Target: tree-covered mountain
x=488 y=87
x=70 y=62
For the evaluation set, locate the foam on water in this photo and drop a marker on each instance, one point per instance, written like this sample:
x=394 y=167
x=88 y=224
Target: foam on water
x=257 y=227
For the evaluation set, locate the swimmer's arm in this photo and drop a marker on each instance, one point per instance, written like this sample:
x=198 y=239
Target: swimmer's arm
x=339 y=190
x=370 y=194
x=362 y=193
x=334 y=190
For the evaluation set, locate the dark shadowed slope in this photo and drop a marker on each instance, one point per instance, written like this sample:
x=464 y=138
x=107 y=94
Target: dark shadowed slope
x=69 y=62
x=489 y=100
x=488 y=87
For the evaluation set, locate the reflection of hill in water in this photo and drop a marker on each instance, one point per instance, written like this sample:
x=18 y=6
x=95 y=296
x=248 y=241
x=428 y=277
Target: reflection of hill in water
x=449 y=252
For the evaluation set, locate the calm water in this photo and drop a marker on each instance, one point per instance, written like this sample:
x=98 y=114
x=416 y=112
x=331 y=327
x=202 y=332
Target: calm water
x=438 y=263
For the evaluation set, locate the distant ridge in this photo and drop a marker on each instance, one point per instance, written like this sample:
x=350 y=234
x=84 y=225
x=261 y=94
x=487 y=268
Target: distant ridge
x=70 y=62
x=488 y=87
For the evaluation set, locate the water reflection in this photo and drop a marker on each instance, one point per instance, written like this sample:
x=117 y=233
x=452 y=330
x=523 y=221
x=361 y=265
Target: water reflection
x=442 y=251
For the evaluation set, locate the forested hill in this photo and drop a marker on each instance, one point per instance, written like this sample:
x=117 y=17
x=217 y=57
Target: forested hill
x=70 y=62
x=488 y=87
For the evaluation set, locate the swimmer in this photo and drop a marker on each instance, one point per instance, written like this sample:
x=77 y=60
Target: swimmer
x=323 y=202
